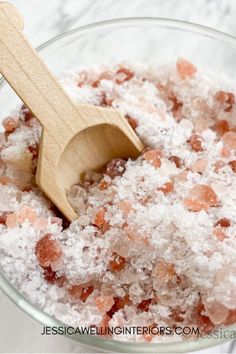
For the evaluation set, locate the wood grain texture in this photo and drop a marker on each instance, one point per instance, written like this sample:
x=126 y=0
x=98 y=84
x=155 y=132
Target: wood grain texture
x=75 y=138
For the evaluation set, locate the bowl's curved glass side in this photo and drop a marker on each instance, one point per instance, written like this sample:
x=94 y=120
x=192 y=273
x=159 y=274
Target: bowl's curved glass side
x=142 y=40
x=97 y=342
x=136 y=40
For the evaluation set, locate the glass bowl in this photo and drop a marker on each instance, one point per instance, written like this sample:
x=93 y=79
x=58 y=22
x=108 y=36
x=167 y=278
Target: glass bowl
x=147 y=40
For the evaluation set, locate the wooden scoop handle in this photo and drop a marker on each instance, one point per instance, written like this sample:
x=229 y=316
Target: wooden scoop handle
x=40 y=91
x=30 y=78
x=68 y=146
x=12 y=14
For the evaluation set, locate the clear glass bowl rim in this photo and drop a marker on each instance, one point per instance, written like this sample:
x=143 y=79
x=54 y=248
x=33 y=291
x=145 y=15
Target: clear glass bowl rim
x=47 y=320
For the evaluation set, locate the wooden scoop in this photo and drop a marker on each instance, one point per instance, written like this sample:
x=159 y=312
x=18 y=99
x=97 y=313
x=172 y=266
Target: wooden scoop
x=75 y=138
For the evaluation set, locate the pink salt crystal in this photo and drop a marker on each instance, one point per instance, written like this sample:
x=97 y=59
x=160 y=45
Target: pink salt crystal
x=145 y=200
x=231 y=319
x=105 y=227
x=229 y=140
x=81 y=291
x=132 y=121
x=26 y=214
x=218 y=165
x=176 y=106
x=223 y=222
x=106 y=100
x=221 y=127
x=76 y=291
x=202 y=320
x=200 y=165
x=5 y=180
x=134 y=235
x=195 y=142
x=104 y=303
x=49 y=275
x=185 y=68
x=219 y=233
x=202 y=124
x=177 y=314
x=195 y=205
x=31 y=122
x=52 y=277
x=27 y=114
x=163 y=272
x=154 y=157
x=123 y=74
x=227 y=99
x=60 y=281
x=144 y=305
x=23 y=180
x=233 y=165
x=117 y=263
x=40 y=223
x=225 y=152
x=125 y=206
x=86 y=291
x=99 y=219
x=115 y=168
x=47 y=250
x=176 y=160
x=201 y=197
x=104 y=324
x=10 y=124
x=182 y=176
x=119 y=303
x=103 y=185
x=167 y=187
x=11 y=221
x=89 y=178
x=221 y=96
x=3 y=218
x=95 y=84
x=34 y=150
